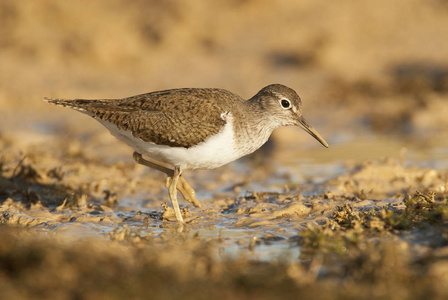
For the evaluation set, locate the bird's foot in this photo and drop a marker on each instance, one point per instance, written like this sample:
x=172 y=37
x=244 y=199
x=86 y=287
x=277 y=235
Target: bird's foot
x=186 y=190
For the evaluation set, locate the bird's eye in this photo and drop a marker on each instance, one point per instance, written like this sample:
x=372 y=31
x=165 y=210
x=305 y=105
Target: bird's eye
x=285 y=103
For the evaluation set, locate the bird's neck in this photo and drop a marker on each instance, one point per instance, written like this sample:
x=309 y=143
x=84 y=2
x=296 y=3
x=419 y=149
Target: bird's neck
x=255 y=127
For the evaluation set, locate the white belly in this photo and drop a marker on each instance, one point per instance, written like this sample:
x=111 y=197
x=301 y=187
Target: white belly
x=214 y=152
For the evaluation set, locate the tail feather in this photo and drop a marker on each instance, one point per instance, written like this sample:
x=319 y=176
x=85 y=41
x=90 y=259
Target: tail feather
x=90 y=107
x=78 y=104
x=57 y=101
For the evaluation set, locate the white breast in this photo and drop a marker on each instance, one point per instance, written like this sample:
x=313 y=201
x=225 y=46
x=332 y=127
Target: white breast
x=214 y=152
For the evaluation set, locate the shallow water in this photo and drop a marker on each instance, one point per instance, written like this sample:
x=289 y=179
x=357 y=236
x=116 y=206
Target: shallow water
x=307 y=174
x=298 y=168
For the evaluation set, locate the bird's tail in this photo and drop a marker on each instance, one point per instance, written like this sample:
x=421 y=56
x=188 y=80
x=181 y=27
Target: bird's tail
x=78 y=104
x=59 y=101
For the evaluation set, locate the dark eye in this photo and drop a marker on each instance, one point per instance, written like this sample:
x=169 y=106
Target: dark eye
x=285 y=103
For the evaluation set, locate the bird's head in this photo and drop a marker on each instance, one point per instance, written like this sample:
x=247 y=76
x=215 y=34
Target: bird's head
x=285 y=107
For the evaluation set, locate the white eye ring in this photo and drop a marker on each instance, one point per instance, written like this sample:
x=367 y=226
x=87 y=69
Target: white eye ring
x=285 y=103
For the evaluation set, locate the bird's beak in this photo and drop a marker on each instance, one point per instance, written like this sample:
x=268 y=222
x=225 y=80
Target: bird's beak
x=305 y=126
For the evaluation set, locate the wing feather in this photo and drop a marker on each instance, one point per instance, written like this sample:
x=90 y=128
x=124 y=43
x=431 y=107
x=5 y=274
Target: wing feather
x=179 y=118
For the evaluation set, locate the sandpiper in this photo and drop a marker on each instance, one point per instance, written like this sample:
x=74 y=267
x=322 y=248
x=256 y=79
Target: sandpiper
x=194 y=128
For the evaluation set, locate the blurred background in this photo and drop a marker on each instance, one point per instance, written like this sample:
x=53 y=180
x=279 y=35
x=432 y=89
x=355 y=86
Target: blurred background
x=373 y=76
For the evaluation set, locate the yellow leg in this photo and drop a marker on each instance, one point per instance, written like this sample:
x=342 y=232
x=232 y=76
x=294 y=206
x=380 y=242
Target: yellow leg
x=186 y=190
x=173 y=194
x=182 y=185
x=152 y=164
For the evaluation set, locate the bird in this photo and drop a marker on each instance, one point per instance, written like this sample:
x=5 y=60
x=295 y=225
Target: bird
x=194 y=128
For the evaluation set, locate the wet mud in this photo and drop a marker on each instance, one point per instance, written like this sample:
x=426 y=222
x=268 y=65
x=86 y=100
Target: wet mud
x=379 y=226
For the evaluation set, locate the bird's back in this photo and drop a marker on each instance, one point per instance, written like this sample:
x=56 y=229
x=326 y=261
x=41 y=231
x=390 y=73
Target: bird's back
x=178 y=117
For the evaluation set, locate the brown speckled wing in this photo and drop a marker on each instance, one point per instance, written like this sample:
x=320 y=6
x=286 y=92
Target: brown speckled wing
x=179 y=118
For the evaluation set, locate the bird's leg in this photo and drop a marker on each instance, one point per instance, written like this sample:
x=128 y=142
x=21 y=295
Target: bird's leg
x=140 y=160
x=182 y=185
x=186 y=190
x=173 y=194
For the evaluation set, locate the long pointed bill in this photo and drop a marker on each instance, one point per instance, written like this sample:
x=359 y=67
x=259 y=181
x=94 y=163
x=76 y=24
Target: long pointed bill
x=305 y=126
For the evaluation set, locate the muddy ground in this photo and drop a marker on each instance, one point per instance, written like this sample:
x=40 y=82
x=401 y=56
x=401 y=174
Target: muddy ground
x=366 y=218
